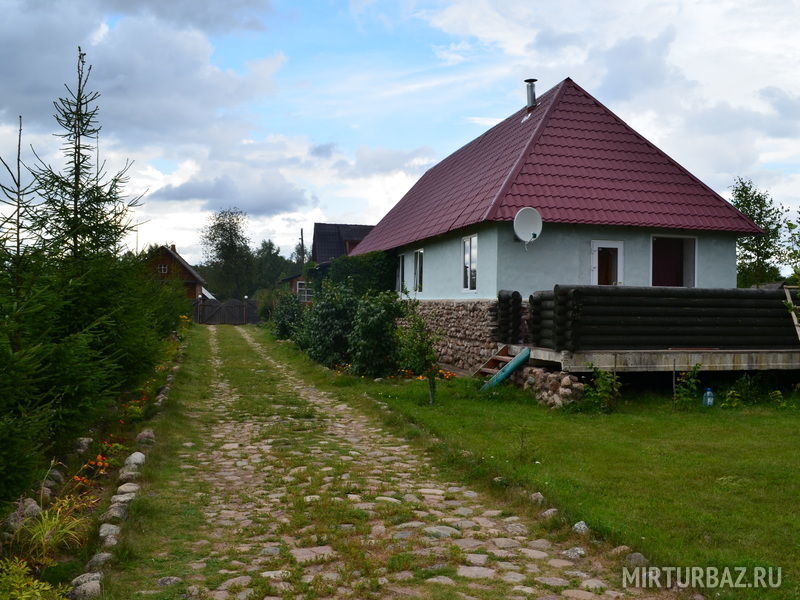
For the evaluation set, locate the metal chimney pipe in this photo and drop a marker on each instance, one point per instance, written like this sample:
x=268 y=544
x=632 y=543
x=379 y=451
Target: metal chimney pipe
x=531 y=92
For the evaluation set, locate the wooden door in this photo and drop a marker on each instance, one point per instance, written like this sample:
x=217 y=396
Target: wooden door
x=668 y=261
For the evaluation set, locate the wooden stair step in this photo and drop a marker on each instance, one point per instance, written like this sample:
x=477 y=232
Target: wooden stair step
x=488 y=370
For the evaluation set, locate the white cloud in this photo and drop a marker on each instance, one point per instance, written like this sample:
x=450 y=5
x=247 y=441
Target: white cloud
x=484 y=121
x=713 y=84
x=452 y=54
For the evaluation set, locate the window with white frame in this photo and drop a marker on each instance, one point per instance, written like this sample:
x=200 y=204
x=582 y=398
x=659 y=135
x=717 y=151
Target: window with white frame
x=418 y=256
x=401 y=272
x=304 y=292
x=163 y=268
x=469 y=252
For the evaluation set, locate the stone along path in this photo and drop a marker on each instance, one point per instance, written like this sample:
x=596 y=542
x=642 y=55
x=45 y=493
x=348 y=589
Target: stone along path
x=309 y=498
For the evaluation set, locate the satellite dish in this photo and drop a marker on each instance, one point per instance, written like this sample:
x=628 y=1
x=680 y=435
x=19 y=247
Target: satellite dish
x=527 y=225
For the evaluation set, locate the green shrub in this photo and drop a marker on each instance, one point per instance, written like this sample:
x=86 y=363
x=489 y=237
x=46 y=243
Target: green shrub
x=265 y=299
x=330 y=321
x=687 y=389
x=602 y=394
x=373 y=339
x=286 y=314
x=302 y=335
x=416 y=347
x=16 y=583
x=370 y=272
x=731 y=399
x=750 y=389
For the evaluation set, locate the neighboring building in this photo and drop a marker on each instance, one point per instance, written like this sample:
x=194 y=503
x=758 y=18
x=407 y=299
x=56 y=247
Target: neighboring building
x=332 y=240
x=299 y=288
x=169 y=265
x=616 y=210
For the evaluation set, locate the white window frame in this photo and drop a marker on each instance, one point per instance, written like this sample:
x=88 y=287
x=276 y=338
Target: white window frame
x=685 y=237
x=419 y=274
x=401 y=273
x=620 y=246
x=163 y=268
x=304 y=293
x=466 y=289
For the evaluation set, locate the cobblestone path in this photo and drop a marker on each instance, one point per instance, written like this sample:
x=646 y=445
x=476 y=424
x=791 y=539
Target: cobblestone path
x=309 y=498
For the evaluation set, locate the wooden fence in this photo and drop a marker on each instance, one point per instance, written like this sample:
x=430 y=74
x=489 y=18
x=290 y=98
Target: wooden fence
x=230 y=312
x=574 y=317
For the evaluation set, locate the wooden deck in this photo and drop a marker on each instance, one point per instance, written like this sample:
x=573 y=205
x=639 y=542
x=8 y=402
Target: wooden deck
x=643 y=361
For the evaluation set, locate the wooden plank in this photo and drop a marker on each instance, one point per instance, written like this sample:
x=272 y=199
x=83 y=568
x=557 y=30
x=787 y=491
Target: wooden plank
x=793 y=309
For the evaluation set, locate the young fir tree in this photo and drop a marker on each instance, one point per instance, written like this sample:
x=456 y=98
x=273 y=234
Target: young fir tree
x=25 y=305
x=84 y=208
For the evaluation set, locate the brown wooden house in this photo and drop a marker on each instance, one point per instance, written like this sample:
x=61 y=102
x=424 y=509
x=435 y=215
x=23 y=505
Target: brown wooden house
x=169 y=265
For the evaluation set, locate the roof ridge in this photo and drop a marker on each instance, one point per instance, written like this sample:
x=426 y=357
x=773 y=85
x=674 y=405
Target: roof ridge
x=345 y=224
x=182 y=261
x=650 y=144
x=512 y=174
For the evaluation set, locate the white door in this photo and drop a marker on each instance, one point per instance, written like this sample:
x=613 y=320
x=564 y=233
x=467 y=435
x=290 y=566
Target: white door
x=607 y=263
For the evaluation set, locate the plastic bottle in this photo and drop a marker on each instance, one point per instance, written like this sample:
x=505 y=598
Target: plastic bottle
x=708 y=397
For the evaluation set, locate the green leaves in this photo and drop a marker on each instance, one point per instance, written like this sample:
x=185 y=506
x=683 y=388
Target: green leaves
x=330 y=321
x=373 y=339
x=758 y=255
x=370 y=272
x=229 y=260
x=687 y=389
x=602 y=394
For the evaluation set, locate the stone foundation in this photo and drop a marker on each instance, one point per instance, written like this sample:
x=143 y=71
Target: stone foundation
x=466 y=328
x=553 y=389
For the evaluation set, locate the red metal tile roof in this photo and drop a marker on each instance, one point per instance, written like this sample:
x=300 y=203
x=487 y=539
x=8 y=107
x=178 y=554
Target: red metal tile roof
x=573 y=160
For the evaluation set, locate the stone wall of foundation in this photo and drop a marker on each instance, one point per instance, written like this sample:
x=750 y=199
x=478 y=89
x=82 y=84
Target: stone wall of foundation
x=551 y=388
x=467 y=329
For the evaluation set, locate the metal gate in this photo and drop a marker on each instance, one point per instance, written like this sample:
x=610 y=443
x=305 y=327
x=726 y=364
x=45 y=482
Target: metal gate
x=230 y=312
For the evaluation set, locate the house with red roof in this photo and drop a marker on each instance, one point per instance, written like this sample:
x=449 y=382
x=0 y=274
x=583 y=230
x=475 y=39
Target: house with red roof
x=616 y=210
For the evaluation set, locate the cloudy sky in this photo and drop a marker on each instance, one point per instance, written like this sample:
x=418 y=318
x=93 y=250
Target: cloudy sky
x=299 y=111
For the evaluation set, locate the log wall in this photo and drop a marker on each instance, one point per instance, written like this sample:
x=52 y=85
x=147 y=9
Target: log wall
x=578 y=318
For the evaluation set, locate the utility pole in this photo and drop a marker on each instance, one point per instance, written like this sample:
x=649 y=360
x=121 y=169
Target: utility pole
x=302 y=251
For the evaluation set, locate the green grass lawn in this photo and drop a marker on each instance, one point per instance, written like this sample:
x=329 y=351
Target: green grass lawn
x=708 y=488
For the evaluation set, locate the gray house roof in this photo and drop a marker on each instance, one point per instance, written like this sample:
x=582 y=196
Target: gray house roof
x=331 y=240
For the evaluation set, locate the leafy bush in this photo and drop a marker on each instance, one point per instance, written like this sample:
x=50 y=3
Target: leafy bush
x=370 y=272
x=602 y=394
x=687 y=389
x=265 y=299
x=417 y=347
x=302 y=335
x=16 y=583
x=731 y=399
x=287 y=313
x=373 y=337
x=330 y=320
